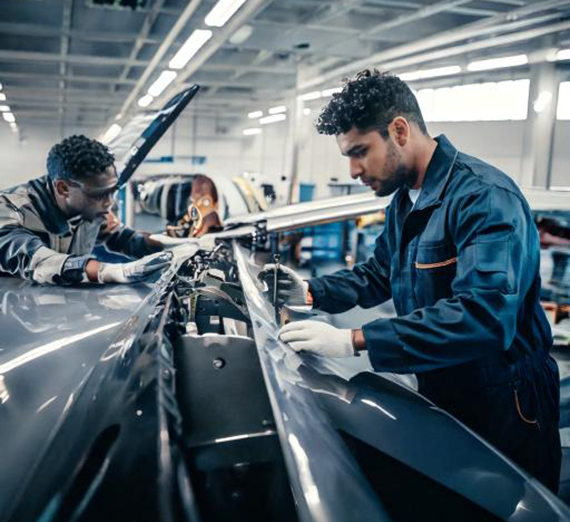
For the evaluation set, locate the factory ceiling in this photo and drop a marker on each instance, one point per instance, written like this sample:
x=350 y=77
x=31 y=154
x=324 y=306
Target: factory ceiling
x=83 y=63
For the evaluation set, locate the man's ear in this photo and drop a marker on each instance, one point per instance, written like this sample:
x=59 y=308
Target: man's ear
x=61 y=187
x=399 y=130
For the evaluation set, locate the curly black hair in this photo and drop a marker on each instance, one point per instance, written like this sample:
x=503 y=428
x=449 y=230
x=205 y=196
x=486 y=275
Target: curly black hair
x=78 y=157
x=370 y=101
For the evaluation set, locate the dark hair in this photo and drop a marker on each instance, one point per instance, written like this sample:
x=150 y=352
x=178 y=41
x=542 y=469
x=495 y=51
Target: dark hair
x=370 y=101
x=78 y=157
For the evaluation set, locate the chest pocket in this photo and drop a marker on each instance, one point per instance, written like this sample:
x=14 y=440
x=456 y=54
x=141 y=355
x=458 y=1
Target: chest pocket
x=435 y=268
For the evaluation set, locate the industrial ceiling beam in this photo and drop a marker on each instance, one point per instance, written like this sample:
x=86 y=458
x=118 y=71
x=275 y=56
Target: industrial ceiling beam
x=245 y=13
x=255 y=68
x=63 y=52
x=160 y=53
x=44 y=31
x=499 y=23
x=145 y=30
x=67 y=78
x=28 y=56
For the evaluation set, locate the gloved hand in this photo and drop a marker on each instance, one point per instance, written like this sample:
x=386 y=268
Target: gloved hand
x=291 y=289
x=135 y=270
x=318 y=337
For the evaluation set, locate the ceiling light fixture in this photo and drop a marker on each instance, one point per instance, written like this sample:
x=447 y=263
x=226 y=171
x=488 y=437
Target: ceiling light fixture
x=498 y=63
x=4 y=108
x=329 y=92
x=277 y=110
x=272 y=119
x=254 y=114
x=252 y=131
x=111 y=133
x=241 y=35
x=190 y=47
x=2 y=97
x=165 y=78
x=563 y=54
x=222 y=12
x=306 y=111
x=430 y=73
x=145 y=101
x=9 y=117
x=315 y=95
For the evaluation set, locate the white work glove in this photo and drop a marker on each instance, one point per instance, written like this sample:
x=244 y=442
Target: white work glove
x=318 y=337
x=291 y=289
x=135 y=270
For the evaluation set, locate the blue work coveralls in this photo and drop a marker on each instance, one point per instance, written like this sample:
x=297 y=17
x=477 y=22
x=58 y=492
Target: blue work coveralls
x=463 y=270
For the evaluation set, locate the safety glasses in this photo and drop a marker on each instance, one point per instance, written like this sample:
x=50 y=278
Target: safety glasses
x=98 y=194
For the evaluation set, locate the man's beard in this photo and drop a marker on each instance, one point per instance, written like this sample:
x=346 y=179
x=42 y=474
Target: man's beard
x=399 y=174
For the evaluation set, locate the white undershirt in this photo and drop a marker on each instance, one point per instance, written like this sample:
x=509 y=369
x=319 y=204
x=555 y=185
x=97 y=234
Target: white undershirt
x=414 y=195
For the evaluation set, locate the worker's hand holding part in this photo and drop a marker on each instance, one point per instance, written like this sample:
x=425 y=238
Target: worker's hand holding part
x=291 y=289
x=135 y=270
x=318 y=337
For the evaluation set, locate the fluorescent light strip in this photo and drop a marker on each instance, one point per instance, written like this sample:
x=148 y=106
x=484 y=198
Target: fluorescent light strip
x=190 y=47
x=165 y=78
x=2 y=96
x=563 y=54
x=9 y=117
x=222 y=12
x=4 y=108
x=277 y=110
x=430 y=73
x=254 y=114
x=145 y=101
x=252 y=132
x=498 y=63
x=111 y=133
x=329 y=92
x=315 y=95
x=272 y=119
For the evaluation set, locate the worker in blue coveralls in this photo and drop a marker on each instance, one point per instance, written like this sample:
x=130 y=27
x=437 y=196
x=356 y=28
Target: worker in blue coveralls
x=459 y=255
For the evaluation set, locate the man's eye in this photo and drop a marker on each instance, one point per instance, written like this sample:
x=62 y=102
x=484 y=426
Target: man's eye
x=360 y=153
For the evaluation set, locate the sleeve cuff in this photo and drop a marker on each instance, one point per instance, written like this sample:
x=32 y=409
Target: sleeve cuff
x=73 y=270
x=384 y=348
x=316 y=291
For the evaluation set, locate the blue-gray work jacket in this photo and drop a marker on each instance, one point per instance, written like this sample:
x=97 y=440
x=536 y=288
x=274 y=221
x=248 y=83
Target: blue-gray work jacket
x=462 y=268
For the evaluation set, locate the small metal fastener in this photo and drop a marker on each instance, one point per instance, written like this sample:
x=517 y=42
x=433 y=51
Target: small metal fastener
x=218 y=363
x=277 y=261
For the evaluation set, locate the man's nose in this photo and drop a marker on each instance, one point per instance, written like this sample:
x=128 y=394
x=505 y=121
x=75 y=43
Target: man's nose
x=355 y=168
x=108 y=201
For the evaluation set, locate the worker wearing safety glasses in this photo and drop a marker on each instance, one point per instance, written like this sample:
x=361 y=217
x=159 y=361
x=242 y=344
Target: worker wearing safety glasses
x=50 y=225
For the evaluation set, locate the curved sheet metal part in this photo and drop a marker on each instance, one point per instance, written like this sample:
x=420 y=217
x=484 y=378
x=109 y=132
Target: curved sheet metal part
x=311 y=395
x=51 y=340
x=326 y=481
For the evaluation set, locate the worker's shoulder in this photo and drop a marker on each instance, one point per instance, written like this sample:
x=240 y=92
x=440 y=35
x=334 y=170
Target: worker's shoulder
x=21 y=200
x=472 y=175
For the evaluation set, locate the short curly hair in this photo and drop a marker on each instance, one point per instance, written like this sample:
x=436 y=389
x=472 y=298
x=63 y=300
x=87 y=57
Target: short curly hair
x=78 y=157
x=370 y=101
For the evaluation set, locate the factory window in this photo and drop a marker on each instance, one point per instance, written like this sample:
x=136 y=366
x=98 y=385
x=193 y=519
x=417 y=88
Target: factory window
x=491 y=101
x=563 y=108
